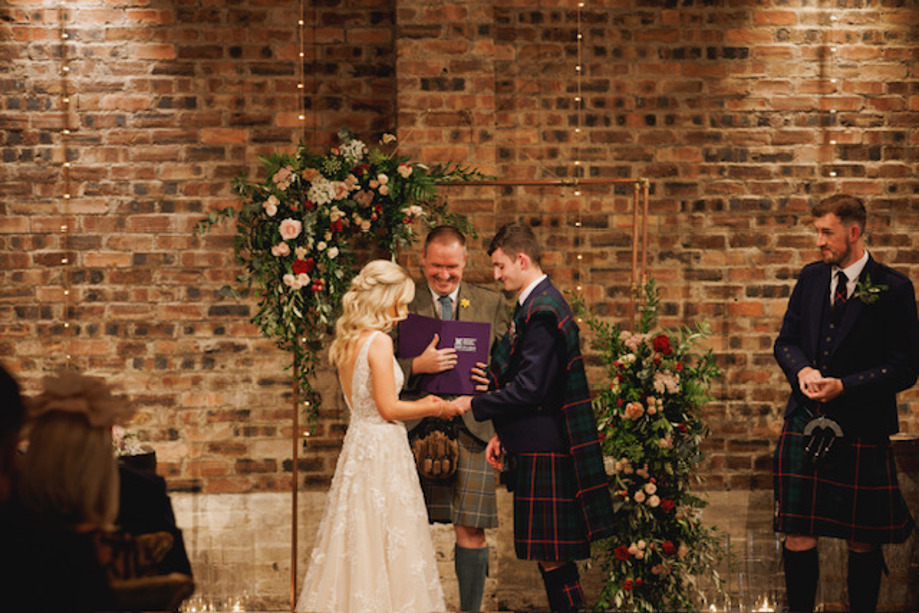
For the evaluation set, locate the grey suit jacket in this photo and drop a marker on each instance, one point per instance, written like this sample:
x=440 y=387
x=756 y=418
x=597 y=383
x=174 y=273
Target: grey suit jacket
x=473 y=303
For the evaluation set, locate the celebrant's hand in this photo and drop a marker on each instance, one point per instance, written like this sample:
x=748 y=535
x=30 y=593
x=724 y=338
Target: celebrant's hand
x=433 y=360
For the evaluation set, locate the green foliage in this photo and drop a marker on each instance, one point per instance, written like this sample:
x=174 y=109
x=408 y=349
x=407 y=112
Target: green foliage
x=295 y=233
x=649 y=420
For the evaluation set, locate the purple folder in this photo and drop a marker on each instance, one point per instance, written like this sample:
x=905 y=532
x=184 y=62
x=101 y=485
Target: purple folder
x=469 y=338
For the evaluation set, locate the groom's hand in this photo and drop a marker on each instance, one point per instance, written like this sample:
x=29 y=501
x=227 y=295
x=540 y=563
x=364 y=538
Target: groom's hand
x=477 y=374
x=494 y=453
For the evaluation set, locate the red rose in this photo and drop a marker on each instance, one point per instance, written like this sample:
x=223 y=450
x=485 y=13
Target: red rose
x=360 y=169
x=309 y=206
x=407 y=220
x=337 y=225
x=661 y=344
x=301 y=266
x=638 y=582
x=667 y=505
x=619 y=402
x=669 y=548
x=628 y=584
x=622 y=553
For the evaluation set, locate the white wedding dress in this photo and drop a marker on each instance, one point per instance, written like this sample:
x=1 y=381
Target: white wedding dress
x=373 y=551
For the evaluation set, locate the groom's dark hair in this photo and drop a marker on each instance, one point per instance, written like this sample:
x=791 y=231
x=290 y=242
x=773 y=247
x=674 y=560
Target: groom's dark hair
x=514 y=238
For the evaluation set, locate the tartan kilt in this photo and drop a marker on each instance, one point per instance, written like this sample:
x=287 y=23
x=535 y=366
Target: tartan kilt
x=468 y=498
x=856 y=497
x=548 y=519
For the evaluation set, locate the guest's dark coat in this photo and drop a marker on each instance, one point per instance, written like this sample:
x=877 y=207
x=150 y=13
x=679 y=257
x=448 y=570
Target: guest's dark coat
x=876 y=353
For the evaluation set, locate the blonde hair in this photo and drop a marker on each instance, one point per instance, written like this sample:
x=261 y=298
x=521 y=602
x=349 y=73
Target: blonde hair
x=69 y=472
x=368 y=302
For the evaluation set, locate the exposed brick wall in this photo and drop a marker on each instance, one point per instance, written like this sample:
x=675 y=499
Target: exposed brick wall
x=726 y=110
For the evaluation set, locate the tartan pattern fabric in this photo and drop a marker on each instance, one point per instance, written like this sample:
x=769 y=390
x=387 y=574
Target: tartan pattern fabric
x=592 y=489
x=828 y=501
x=548 y=524
x=469 y=498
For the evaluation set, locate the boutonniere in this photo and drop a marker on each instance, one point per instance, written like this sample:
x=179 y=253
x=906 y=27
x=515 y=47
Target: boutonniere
x=867 y=292
x=464 y=303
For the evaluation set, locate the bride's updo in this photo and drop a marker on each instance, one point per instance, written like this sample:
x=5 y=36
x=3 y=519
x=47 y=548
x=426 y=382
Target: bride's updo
x=367 y=305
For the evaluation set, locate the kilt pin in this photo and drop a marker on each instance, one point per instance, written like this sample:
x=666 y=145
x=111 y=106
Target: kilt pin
x=874 y=350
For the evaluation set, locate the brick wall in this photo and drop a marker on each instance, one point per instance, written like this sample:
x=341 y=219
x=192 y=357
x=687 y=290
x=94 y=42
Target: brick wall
x=727 y=111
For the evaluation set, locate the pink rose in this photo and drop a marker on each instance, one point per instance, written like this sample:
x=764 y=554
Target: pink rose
x=290 y=229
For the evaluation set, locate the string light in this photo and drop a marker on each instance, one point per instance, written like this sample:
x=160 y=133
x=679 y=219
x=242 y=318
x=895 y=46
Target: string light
x=579 y=108
x=830 y=59
x=66 y=184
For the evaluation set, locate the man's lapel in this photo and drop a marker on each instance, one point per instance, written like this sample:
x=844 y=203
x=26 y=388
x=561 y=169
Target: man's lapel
x=423 y=304
x=818 y=299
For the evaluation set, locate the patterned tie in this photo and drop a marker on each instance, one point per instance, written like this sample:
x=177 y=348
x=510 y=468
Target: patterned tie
x=446 y=307
x=839 y=296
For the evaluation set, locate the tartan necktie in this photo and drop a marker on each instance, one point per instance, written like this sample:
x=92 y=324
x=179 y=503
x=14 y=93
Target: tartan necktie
x=839 y=296
x=446 y=307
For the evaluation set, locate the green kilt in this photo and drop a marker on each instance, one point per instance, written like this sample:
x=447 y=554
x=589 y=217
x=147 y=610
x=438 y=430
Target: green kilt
x=855 y=497
x=468 y=499
x=548 y=519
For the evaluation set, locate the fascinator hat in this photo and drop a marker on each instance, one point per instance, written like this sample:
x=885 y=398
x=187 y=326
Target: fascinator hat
x=77 y=394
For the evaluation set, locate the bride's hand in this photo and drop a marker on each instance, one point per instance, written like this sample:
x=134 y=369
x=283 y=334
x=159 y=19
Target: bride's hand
x=452 y=409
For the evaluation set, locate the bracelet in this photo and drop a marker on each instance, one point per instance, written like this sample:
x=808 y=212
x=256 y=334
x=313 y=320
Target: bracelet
x=441 y=408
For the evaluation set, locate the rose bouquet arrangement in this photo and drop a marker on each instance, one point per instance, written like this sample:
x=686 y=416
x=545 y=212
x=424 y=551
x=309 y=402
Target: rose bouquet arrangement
x=649 y=421
x=297 y=229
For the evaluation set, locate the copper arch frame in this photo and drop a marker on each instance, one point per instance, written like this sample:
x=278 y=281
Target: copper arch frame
x=640 y=192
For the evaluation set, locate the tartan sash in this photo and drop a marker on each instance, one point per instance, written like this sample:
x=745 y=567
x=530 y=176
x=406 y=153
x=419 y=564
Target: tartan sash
x=580 y=426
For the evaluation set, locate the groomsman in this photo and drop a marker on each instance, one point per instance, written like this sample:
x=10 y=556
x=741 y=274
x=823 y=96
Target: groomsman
x=849 y=343
x=540 y=406
x=467 y=500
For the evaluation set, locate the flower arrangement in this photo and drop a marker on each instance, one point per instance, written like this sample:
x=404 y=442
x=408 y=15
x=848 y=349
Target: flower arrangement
x=297 y=228
x=649 y=421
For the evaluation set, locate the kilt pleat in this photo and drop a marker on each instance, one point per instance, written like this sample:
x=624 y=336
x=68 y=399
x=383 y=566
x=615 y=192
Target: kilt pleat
x=855 y=497
x=548 y=520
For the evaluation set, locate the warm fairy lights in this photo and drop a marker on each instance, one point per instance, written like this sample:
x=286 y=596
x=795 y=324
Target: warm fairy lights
x=578 y=171
x=829 y=60
x=66 y=195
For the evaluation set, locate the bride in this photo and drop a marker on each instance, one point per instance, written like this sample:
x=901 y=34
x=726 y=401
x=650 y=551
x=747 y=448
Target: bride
x=373 y=551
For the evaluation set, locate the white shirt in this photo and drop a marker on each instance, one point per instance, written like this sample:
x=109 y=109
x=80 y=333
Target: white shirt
x=525 y=293
x=852 y=274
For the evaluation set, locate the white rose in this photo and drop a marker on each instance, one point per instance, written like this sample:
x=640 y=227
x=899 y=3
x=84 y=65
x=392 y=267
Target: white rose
x=333 y=253
x=290 y=281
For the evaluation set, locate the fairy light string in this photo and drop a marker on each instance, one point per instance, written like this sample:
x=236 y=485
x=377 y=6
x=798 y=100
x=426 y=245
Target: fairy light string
x=66 y=195
x=578 y=170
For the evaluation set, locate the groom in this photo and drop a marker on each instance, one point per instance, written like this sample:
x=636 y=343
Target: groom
x=540 y=406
